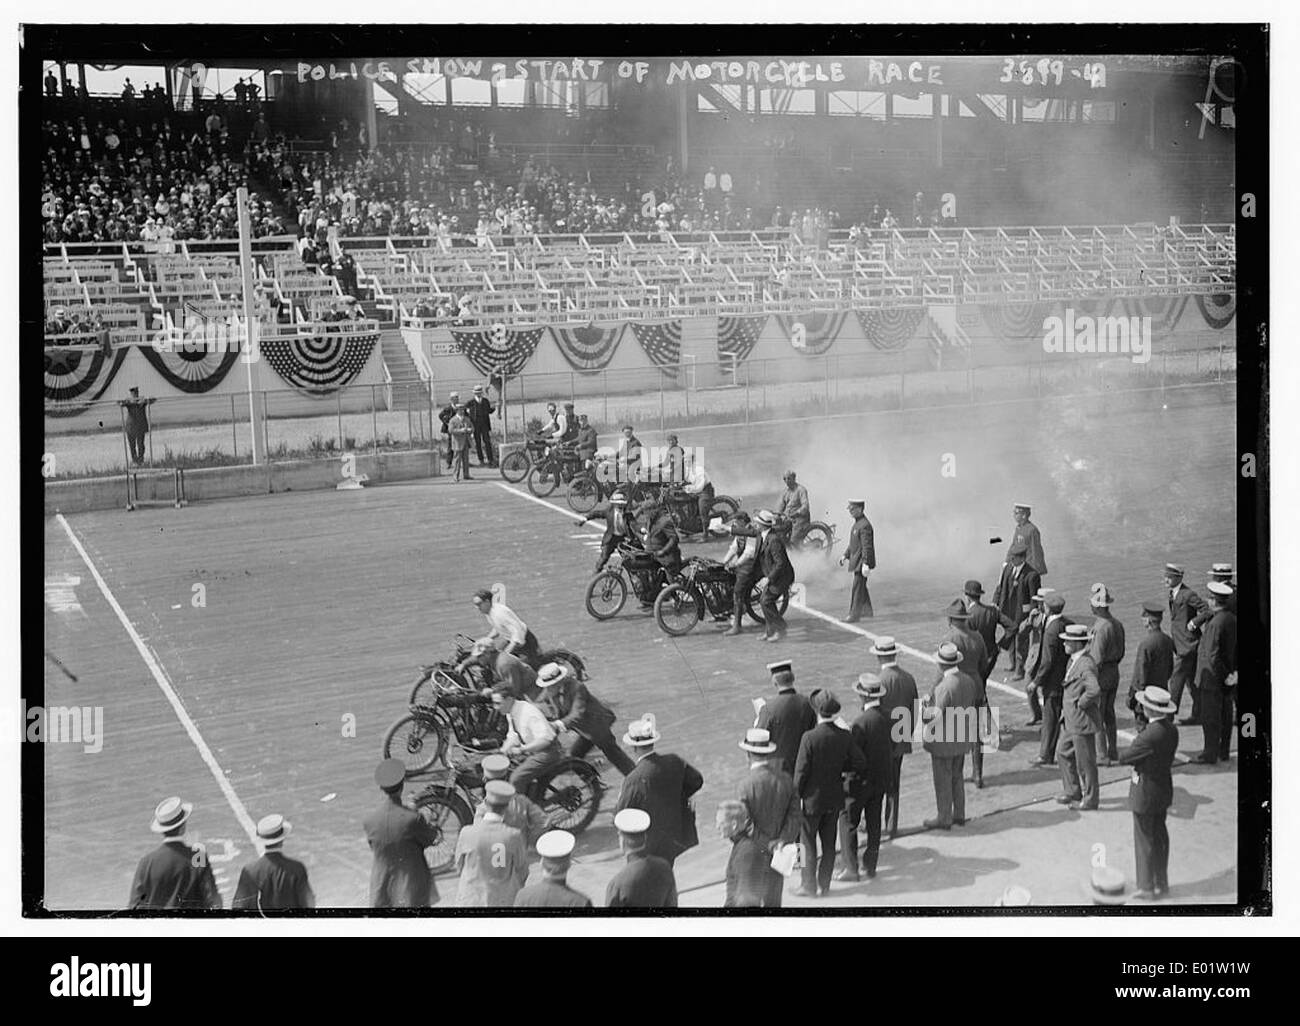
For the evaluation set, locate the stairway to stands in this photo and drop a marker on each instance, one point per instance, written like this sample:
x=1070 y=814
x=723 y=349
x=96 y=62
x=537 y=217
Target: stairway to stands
x=408 y=391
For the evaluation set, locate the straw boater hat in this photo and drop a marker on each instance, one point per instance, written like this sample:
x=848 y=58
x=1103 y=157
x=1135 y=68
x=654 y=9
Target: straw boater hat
x=551 y=674
x=642 y=732
x=170 y=814
x=1106 y=886
x=948 y=654
x=1076 y=632
x=1158 y=700
x=765 y=517
x=1221 y=571
x=1173 y=570
x=869 y=687
x=1041 y=594
x=884 y=646
x=1100 y=597
x=618 y=499
x=273 y=829
x=758 y=741
x=1022 y=505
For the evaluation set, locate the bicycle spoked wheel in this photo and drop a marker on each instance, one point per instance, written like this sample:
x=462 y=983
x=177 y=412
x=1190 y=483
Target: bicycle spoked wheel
x=448 y=815
x=570 y=796
x=583 y=493
x=541 y=482
x=606 y=595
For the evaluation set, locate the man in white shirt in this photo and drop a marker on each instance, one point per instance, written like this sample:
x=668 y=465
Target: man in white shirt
x=504 y=624
x=530 y=736
x=699 y=485
x=742 y=557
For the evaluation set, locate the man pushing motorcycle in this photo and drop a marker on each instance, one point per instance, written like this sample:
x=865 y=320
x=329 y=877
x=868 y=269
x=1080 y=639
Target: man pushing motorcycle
x=570 y=706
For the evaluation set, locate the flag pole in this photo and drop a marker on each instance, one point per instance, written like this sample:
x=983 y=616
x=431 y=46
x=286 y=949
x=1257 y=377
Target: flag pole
x=251 y=351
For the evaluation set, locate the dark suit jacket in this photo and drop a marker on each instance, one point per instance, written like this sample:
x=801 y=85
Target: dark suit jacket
x=748 y=868
x=974 y=657
x=1013 y=593
x=645 y=882
x=1051 y=667
x=954 y=733
x=787 y=717
x=900 y=691
x=548 y=893
x=862 y=545
x=826 y=755
x=1152 y=755
x=273 y=881
x=775 y=562
x=870 y=733
x=984 y=621
x=577 y=708
x=399 y=876
x=169 y=878
x=1183 y=608
x=661 y=784
x=769 y=795
x=1107 y=650
x=480 y=413
x=662 y=542
x=1154 y=663
x=1216 y=655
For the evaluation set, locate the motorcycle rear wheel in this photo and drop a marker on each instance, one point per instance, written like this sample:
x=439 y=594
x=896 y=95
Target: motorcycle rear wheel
x=569 y=795
x=816 y=537
x=449 y=816
x=753 y=604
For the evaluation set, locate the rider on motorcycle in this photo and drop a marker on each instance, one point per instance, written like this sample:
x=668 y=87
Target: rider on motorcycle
x=661 y=542
x=700 y=487
x=794 y=504
x=505 y=623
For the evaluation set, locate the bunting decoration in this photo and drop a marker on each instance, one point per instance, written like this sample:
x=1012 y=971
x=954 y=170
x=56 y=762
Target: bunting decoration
x=662 y=342
x=737 y=336
x=812 y=333
x=893 y=328
x=72 y=374
x=1015 y=320
x=588 y=349
x=319 y=364
x=490 y=349
x=1218 y=310
x=1164 y=311
x=193 y=366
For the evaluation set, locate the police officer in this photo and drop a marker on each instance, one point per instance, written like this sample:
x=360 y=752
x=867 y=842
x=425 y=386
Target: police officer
x=399 y=877
x=553 y=890
x=646 y=881
x=860 y=557
x=1154 y=663
x=521 y=813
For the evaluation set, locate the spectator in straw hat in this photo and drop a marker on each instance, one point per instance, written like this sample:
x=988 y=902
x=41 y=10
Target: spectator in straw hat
x=974 y=660
x=769 y=797
x=444 y=417
x=1076 y=754
x=1106 y=650
x=787 y=717
x=824 y=773
x=1216 y=669
x=1185 y=606
x=949 y=714
x=900 y=694
x=399 y=876
x=491 y=856
x=552 y=889
x=1151 y=791
x=1049 y=678
x=1154 y=663
x=749 y=863
x=176 y=874
x=1030 y=639
x=871 y=736
x=660 y=784
x=1105 y=886
x=646 y=880
x=460 y=429
x=521 y=812
x=479 y=409
x=573 y=709
x=1223 y=573
x=274 y=881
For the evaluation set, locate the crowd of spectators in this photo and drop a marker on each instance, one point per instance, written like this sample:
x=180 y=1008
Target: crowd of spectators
x=62 y=321
x=149 y=181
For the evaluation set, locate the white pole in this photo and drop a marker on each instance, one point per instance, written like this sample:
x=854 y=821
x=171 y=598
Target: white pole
x=251 y=353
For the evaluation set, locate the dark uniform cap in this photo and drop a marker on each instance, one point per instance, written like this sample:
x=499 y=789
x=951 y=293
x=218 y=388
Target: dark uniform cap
x=1153 y=609
x=390 y=774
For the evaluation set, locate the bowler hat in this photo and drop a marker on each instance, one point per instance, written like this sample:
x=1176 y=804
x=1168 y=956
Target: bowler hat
x=974 y=589
x=824 y=702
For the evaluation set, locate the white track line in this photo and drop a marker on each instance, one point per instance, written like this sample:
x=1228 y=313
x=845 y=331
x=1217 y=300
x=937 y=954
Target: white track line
x=833 y=621
x=169 y=692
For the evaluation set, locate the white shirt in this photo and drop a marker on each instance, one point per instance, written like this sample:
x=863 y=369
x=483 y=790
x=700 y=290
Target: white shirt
x=697 y=481
x=528 y=724
x=505 y=623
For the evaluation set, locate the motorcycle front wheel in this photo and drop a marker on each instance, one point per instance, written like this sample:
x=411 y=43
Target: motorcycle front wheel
x=606 y=595
x=514 y=466
x=678 y=610
x=417 y=741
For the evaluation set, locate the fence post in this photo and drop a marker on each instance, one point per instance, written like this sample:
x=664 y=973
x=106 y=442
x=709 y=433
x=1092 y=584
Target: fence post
x=374 y=422
x=573 y=388
x=604 y=393
x=266 y=428
x=661 y=401
x=338 y=396
x=827 y=403
x=746 y=394
x=234 y=430
x=410 y=431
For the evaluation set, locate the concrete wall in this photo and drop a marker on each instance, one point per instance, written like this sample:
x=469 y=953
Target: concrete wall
x=207 y=483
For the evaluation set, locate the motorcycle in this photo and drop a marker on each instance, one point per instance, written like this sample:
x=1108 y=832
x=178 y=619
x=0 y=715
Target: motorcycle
x=568 y=793
x=629 y=569
x=815 y=536
x=516 y=465
x=704 y=586
x=685 y=510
